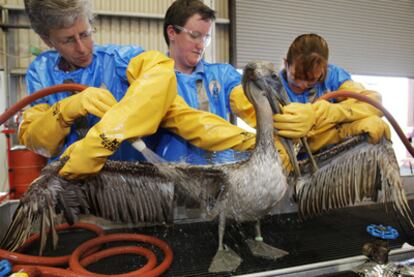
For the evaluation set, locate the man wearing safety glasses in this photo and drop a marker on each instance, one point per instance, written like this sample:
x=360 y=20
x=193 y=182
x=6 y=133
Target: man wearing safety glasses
x=203 y=85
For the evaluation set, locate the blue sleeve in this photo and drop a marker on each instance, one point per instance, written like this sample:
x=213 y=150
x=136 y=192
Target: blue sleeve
x=32 y=80
x=34 y=83
x=122 y=56
x=232 y=79
x=336 y=77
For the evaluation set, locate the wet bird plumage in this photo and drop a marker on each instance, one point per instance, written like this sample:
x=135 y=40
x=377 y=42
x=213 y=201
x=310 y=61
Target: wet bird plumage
x=245 y=191
x=352 y=172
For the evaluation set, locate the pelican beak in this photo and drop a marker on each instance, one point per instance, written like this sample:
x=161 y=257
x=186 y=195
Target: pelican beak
x=270 y=87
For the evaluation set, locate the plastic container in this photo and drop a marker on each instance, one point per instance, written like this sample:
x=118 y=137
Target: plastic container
x=24 y=167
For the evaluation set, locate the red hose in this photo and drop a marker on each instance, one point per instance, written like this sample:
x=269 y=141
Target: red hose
x=75 y=265
x=34 y=270
x=151 y=258
x=39 y=94
x=363 y=98
x=36 y=266
x=18 y=258
x=41 y=266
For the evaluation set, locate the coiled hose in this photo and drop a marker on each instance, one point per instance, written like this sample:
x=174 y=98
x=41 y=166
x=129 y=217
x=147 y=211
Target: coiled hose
x=87 y=253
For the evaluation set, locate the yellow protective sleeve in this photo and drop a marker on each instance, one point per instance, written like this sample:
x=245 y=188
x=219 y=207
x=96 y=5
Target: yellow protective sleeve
x=42 y=131
x=153 y=88
x=348 y=110
x=375 y=127
x=205 y=130
x=241 y=106
x=320 y=140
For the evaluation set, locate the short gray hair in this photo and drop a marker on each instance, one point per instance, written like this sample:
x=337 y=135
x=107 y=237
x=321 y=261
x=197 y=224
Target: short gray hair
x=56 y=14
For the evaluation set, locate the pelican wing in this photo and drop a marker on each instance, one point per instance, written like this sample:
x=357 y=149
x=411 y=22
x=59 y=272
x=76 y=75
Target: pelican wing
x=130 y=192
x=38 y=206
x=122 y=192
x=363 y=171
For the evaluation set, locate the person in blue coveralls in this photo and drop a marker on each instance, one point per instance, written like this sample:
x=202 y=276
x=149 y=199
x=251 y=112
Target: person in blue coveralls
x=67 y=26
x=205 y=86
x=305 y=77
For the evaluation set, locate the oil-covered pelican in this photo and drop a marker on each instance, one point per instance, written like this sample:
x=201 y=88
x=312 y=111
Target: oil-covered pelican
x=141 y=192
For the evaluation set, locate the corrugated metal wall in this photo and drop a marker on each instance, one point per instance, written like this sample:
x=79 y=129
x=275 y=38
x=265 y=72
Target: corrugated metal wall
x=120 y=22
x=373 y=37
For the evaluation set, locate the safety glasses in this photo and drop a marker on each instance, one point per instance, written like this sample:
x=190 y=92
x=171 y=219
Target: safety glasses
x=195 y=36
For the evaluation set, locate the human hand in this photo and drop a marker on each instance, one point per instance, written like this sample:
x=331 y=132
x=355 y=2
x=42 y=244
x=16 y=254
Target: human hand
x=295 y=121
x=81 y=161
x=96 y=101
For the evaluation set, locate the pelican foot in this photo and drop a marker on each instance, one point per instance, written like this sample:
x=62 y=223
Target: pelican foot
x=225 y=260
x=263 y=250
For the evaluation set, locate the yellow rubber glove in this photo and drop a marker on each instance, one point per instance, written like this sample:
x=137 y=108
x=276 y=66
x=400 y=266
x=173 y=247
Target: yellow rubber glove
x=295 y=121
x=374 y=126
x=41 y=131
x=329 y=114
x=153 y=88
x=45 y=127
x=241 y=106
x=96 y=101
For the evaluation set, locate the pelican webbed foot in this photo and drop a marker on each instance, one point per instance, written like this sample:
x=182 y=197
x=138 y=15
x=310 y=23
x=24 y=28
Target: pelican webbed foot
x=263 y=250
x=225 y=260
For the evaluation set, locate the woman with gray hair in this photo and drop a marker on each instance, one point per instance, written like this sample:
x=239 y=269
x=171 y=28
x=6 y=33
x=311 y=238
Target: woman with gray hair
x=67 y=26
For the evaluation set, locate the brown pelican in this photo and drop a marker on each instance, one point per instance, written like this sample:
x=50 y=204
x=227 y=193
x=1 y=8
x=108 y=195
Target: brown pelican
x=141 y=192
x=244 y=191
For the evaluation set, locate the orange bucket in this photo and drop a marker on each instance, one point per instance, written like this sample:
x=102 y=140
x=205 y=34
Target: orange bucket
x=24 y=167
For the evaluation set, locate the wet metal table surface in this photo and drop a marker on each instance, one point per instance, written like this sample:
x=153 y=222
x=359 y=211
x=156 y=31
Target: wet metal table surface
x=336 y=235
